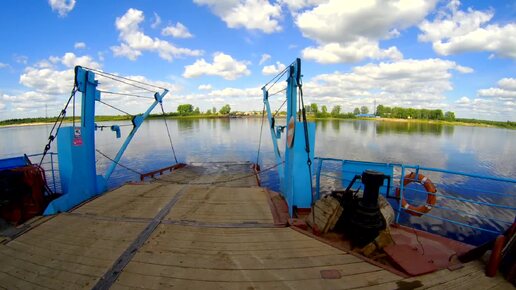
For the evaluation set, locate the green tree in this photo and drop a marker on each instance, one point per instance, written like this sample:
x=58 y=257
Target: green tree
x=335 y=112
x=356 y=111
x=185 y=109
x=214 y=110
x=197 y=111
x=380 y=110
x=208 y=112
x=449 y=116
x=324 y=109
x=308 y=109
x=364 y=110
x=226 y=109
x=313 y=108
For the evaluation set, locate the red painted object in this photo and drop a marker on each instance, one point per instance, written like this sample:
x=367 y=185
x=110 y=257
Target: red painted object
x=160 y=171
x=28 y=200
x=408 y=259
x=494 y=260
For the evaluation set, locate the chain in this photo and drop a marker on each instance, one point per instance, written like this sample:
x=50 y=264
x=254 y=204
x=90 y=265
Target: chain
x=59 y=120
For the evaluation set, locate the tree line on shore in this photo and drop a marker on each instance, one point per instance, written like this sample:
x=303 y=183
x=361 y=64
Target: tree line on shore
x=312 y=110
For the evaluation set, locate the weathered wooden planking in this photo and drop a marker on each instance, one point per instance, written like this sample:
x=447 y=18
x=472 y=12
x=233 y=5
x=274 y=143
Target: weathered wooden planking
x=213 y=257
x=223 y=204
x=65 y=252
x=230 y=242
x=222 y=174
x=133 y=201
x=278 y=281
x=471 y=276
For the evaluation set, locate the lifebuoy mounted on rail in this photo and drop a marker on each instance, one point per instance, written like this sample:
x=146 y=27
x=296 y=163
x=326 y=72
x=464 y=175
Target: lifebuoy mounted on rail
x=431 y=198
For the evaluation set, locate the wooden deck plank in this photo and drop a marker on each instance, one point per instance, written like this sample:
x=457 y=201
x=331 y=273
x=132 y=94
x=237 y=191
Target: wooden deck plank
x=223 y=205
x=44 y=274
x=249 y=262
x=51 y=255
x=135 y=201
x=64 y=265
x=218 y=235
x=468 y=277
x=277 y=282
x=72 y=257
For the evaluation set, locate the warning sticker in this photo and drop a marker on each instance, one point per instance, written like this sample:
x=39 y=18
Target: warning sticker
x=77 y=137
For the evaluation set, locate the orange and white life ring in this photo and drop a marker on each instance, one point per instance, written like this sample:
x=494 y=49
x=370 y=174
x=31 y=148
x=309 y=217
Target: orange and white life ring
x=431 y=198
x=290 y=132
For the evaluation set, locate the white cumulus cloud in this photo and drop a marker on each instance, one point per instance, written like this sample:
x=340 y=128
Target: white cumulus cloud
x=349 y=31
x=63 y=7
x=157 y=21
x=178 y=31
x=455 y=31
x=265 y=57
x=49 y=81
x=505 y=91
x=79 y=45
x=206 y=87
x=223 y=65
x=134 y=40
x=249 y=14
x=273 y=68
x=418 y=83
x=350 y=52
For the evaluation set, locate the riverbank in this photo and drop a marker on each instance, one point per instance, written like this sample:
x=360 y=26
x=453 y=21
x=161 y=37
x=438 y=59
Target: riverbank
x=46 y=121
x=458 y=122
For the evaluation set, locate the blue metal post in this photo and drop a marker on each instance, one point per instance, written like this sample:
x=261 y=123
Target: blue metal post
x=318 y=179
x=401 y=193
x=52 y=168
x=274 y=138
x=76 y=147
x=137 y=121
x=295 y=174
x=292 y=85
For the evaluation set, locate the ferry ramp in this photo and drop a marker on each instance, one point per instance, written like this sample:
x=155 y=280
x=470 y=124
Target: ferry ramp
x=192 y=230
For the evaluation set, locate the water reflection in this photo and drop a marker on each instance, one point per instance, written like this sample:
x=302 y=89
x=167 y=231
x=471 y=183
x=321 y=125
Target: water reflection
x=335 y=125
x=387 y=127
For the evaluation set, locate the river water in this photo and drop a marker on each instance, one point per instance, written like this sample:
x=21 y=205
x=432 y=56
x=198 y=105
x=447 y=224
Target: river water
x=486 y=151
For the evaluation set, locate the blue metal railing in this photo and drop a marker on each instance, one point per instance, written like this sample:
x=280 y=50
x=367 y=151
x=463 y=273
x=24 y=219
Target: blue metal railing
x=50 y=166
x=488 y=205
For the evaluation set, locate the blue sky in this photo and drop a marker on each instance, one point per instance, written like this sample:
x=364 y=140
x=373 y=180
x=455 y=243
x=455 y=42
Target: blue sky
x=451 y=55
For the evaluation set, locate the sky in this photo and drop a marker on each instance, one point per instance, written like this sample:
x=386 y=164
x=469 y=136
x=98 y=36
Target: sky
x=456 y=56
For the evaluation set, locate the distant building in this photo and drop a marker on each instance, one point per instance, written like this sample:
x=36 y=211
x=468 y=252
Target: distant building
x=366 y=115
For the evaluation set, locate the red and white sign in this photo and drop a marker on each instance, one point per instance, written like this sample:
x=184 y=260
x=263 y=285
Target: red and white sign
x=77 y=137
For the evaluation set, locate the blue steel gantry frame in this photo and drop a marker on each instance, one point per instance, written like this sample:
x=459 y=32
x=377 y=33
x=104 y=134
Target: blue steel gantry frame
x=76 y=147
x=295 y=173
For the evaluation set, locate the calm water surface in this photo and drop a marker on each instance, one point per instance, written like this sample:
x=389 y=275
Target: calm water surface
x=489 y=151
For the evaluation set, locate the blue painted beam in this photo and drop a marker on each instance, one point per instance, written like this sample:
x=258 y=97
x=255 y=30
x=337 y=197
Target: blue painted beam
x=137 y=121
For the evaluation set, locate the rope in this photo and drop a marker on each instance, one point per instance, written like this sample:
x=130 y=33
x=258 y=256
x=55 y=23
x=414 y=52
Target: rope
x=277 y=111
x=277 y=92
x=125 y=94
x=221 y=181
x=261 y=130
x=120 y=110
x=113 y=77
x=168 y=131
x=190 y=182
x=118 y=163
x=278 y=76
